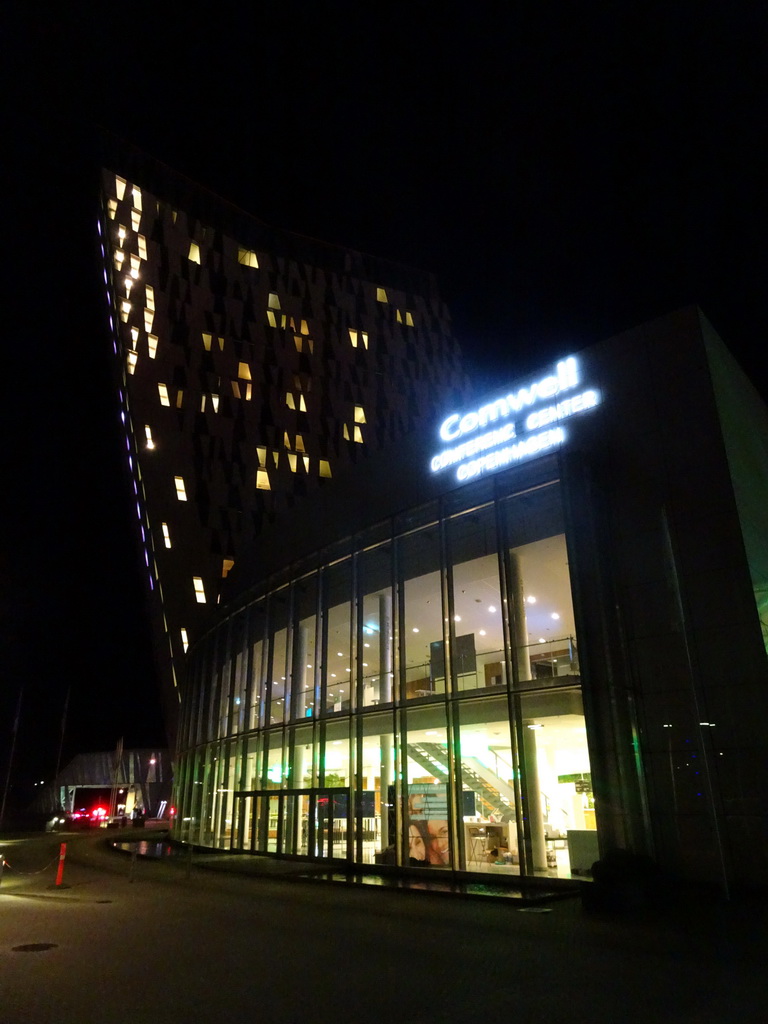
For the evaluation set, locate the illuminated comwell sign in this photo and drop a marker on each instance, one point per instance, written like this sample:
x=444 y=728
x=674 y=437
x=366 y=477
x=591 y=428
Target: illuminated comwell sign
x=504 y=431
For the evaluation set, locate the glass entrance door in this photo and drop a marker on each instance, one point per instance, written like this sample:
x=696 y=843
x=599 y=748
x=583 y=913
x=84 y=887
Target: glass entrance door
x=298 y=823
x=331 y=821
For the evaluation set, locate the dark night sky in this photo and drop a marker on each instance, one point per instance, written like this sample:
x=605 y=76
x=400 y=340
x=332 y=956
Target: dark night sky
x=566 y=173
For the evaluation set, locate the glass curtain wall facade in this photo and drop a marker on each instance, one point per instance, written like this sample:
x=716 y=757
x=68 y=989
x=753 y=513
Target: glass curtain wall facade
x=413 y=700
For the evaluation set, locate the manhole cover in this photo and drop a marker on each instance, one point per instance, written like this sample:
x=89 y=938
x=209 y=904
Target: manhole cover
x=33 y=947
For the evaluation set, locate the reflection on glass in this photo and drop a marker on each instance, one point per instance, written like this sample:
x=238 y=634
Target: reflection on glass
x=422 y=614
x=303 y=666
x=376 y=645
x=338 y=638
x=487 y=775
x=279 y=654
x=477 y=632
x=427 y=816
x=376 y=817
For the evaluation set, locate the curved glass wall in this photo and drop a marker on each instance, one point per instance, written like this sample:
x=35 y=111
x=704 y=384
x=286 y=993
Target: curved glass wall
x=416 y=702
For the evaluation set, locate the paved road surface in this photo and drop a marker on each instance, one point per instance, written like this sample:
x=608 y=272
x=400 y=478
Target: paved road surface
x=210 y=948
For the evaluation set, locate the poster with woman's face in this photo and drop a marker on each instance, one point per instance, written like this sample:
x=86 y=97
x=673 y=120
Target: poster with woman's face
x=429 y=839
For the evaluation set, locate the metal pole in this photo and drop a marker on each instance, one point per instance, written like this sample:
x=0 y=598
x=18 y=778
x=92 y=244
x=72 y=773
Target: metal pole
x=10 y=755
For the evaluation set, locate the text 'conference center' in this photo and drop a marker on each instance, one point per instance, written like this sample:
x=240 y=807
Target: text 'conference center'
x=498 y=634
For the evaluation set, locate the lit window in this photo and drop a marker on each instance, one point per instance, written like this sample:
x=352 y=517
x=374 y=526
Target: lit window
x=199 y=589
x=247 y=258
x=364 y=336
x=302 y=404
x=359 y=414
x=119 y=257
x=152 y=345
x=289 y=401
x=408 y=319
x=358 y=435
x=221 y=344
x=135 y=268
x=305 y=460
x=135 y=219
x=202 y=403
x=181 y=490
x=134 y=335
x=235 y=389
x=142 y=247
x=304 y=327
x=120 y=184
x=149 y=319
x=150 y=291
x=136 y=198
x=298 y=342
x=111 y=208
x=179 y=398
x=292 y=461
x=207 y=341
x=287 y=440
x=381 y=295
x=325 y=468
x=243 y=371
x=133 y=358
x=271 y=318
x=125 y=310
x=121 y=233
x=150 y=442
x=274 y=300
x=194 y=252
x=261 y=452
x=262 y=480
x=398 y=316
x=184 y=639
x=164 y=400
x=345 y=432
x=166 y=535
x=248 y=391
x=128 y=283
x=353 y=337
x=215 y=402
x=300 y=443
x=226 y=565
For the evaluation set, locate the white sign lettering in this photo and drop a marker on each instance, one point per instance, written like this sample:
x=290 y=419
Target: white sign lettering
x=491 y=450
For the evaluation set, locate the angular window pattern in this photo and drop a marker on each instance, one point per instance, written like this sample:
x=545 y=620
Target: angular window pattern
x=171 y=306
x=247 y=258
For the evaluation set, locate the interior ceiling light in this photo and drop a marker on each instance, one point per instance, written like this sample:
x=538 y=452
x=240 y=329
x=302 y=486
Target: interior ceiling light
x=457 y=618
x=555 y=615
x=531 y=600
x=542 y=640
x=415 y=630
x=482 y=632
x=491 y=608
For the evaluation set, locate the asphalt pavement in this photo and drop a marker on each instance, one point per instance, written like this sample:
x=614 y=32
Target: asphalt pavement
x=165 y=941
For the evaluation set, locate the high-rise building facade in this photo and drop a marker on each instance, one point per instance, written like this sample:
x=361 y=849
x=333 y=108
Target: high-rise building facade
x=254 y=365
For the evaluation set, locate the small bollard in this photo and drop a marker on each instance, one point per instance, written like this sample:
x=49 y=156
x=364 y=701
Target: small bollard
x=62 y=858
x=133 y=866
